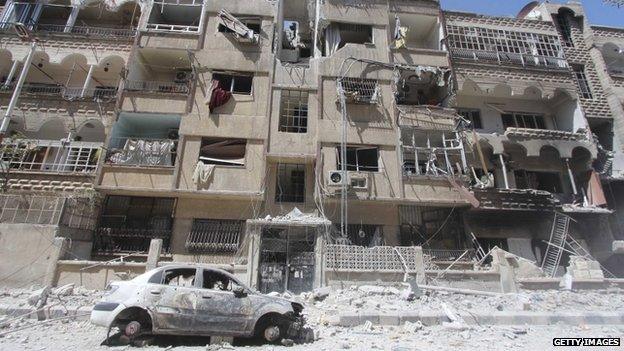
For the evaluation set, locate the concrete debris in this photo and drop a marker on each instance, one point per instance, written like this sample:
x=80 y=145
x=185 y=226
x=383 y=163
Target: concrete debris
x=411 y=328
x=583 y=268
x=618 y=246
x=39 y=297
x=65 y=290
x=287 y=342
x=321 y=293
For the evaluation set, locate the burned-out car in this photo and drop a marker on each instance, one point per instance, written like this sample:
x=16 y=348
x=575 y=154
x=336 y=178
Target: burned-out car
x=197 y=301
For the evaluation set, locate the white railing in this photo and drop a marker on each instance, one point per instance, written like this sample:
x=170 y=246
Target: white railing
x=157 y=87
x=49 y=156
x=525 y=60
x=130 y=151
x=172 y=28
x=380 y=258
x=89 y=31
x=70 y=93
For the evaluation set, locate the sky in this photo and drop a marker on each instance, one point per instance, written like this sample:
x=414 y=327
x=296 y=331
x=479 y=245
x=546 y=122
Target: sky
x=597 y=12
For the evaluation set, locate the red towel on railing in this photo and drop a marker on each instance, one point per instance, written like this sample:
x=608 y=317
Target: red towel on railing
x=218 y=96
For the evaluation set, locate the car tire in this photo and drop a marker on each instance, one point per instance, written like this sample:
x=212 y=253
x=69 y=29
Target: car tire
x=132 y=329
x=272 y=333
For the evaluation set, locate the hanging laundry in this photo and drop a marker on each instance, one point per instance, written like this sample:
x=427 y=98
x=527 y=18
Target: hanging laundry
x=202 y=173
x=400 y=33
x=218 y=96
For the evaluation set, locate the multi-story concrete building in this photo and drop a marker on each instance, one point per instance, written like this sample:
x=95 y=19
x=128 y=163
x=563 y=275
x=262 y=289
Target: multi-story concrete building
x=307 y=142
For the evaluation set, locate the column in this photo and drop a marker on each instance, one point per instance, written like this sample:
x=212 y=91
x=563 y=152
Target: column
x=504 y=169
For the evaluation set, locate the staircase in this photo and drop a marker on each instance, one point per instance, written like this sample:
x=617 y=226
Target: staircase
x=558 y=238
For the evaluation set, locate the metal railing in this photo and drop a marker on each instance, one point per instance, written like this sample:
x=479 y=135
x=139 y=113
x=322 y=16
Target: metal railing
x=50 y=155
x=450 y=255
x=427 y=117
x=69 y=93
x=72 y=212
x=141 y=152
x=525 y=60
x=124 y=240
x=170 y=87
x=172 y=28
x=88 y=31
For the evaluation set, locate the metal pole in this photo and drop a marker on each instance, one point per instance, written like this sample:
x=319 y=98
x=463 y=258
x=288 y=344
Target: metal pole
x=11 y=74
x=343 y=164
x=17 y=91
x=500 y=157
x=574 y=190
x=87 y=81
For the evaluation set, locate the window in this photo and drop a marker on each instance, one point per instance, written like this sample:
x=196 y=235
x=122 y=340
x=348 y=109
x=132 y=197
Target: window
x=360 y=159
x=253 y=24
x=175 y=17
x=546 y=181
x=218 y=281
x=355 y=33
x=290 y=183
x=184 y=277
x=581 y=80
x=473 y=115
x=239 y=83
x=294 y=111
x=222 y=151
x=360 y=90
x=523 y=120
x=215 y=235
x=563 y=22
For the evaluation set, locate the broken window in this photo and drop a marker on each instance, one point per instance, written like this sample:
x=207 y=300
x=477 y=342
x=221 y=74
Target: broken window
x=184 y=277
x=215 y=235
x=523 y=120
x=422 y=86
x=367 y=235
x=565 y=29
x=472 y=115
x=222 y=151
x=236 y=83
x=218 y=281
x=547 y=181
x=582 y=82
x=337 y=35
x=294 y=111
x=360 y=159
x=290 y=185
x=253 y=24
x=360 y=90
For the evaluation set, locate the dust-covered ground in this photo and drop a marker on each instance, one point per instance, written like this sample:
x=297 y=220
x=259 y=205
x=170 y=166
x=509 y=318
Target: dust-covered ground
x=67 y=334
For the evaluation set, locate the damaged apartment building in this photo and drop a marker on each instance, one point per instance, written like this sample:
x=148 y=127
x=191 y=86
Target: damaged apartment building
x=305 y=142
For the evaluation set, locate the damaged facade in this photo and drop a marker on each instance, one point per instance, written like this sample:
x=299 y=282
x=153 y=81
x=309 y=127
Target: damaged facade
x=308 y=142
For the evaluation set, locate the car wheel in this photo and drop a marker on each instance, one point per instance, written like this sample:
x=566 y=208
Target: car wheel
x=272 y=333
x=132 y=329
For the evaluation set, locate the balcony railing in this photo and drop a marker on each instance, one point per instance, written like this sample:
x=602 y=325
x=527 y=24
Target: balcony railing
x=545 y=134
x=87 y=31
x=179 y=28
x=427 y=117
x=59 y=91
x=525 y=60
x=121 y=240
x=49 y=156
x=157 y=87
x=79 y=213
x=450 y=255
x=141 y=152
x=516 y=199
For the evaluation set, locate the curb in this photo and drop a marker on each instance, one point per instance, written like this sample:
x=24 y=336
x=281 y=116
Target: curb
x=493 y=318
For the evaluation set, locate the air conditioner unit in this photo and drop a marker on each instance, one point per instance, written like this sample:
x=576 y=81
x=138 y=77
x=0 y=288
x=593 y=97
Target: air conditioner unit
x=183 y=76
x=336 y=178
x=358 y=182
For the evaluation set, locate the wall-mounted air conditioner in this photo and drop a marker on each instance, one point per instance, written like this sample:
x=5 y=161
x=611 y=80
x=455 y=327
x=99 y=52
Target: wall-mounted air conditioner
x=336 y=178
x=358 y=182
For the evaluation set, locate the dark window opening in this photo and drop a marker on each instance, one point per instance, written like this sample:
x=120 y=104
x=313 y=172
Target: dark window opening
x=223 y=152
x=337 y=35
x=234 y=83
x=582 y=82
x=565 y=29
x=472 y=115
x=294 y=111
x=523 y=120
x=360 y=159
x=546 y=181
x=184 y=277
x=367 y=235
x=173 y=17
x=215 y=235
x=290 y=185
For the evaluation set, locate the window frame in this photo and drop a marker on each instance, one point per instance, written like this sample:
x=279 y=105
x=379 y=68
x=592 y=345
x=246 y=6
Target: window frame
x=471 y=111
x=283 y=197
x=582 y=82
x=538 y=120
x=232 y=76
x=223 y=162
x=357 y=166
x=300 y=100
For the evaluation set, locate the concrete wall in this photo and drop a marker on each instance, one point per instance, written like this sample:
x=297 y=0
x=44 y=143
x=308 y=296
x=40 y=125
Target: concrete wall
x=25 y=253
x=81 y=273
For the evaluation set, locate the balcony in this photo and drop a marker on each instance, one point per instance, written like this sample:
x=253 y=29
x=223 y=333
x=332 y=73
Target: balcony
x=516 y=199
x=427 y=117
x=86 y=31
x=155 y=87
x=545 y=134
x=73 y=212
x=102 y=93
x=50 y=156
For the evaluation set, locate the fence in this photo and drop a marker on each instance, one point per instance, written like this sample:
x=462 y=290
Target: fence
x=124 y=240
x=449 y=255
x=69 y=93
x=141 y=152
x=171 y=87
x=99 y=32
x=50 y=155
x=380 y=258
x=77 y=213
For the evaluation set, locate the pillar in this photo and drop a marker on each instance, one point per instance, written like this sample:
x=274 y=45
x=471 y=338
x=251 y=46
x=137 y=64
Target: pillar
x=153 y=255
x=87 y=81
x=504 y=169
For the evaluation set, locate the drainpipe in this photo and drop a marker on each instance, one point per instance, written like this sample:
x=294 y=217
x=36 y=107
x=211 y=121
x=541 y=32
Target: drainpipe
x=574 y=190
x=18 y=89
x=11 y=74
x=502 y=162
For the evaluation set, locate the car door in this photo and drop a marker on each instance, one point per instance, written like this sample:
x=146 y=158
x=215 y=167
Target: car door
x=219 y=310
x=173 y=300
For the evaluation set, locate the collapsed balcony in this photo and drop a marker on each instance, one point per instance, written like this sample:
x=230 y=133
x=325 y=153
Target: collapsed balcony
x=143 y=140
x=159 y=72
x=423 y=85
x=505 y=47
x=416 y=31
x=97 y=21
x=432 y=153
x=127 y=224
x=175 y=16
